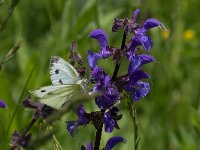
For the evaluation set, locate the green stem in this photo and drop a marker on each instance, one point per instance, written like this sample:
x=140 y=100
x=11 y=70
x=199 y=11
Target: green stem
x=4 y=141
x=8 y=15
x=133 y=115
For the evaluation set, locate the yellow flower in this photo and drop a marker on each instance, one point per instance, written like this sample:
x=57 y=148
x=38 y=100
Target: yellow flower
x=165 y=34
x=189 y=34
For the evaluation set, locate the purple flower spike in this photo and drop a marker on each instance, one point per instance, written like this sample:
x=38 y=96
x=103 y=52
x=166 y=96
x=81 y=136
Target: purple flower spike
x=2 y=104
x=113 y=141
x=136 y=13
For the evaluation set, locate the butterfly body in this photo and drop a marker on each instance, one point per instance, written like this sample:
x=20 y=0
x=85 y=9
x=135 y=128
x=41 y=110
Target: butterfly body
x=66 y=84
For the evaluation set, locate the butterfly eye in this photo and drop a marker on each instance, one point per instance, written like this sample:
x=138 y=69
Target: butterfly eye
x=43 y=91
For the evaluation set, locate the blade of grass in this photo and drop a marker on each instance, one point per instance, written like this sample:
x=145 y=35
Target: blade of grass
x=11 y=53
x=8 y=15
x=15 y=111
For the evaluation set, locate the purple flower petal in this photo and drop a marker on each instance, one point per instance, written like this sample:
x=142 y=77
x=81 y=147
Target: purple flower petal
x=144 y=39
x=72 y=127
x=108 y=99
x=148 y=44
x=107 y=81
x=113 y=141
x=92 y=59
x=142 y=91
x=136 y=13
x=129 y=55
x=135 y=42
x=101 y=37
x=134 y=65
x=103 y=84
x=139 y=61
x=144 y=58
x=114 y=111
x=137 y=75
x=98 y=88
x=105 y=53
x=140 y=34
x=80 y=110
x=89 y=146
x=2 y=104
x=97 y=74
x=150 y=23
x=82 y=119
x=109 y=122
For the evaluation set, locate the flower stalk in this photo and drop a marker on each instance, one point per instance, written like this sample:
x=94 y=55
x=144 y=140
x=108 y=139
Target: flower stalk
x=119 y=54
x=133 y=115
x=106 y=89
x=98 y=136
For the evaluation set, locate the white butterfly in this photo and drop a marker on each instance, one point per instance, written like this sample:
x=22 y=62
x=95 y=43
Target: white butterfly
x=66 y=84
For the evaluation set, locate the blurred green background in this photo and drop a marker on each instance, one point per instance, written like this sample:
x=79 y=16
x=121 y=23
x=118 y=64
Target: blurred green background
x=169 y=117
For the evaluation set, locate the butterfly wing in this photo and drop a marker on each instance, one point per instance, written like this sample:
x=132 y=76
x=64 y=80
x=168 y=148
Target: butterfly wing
x=61 y=72
x=66 y=84
x=41 y=92
x=56 y=95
